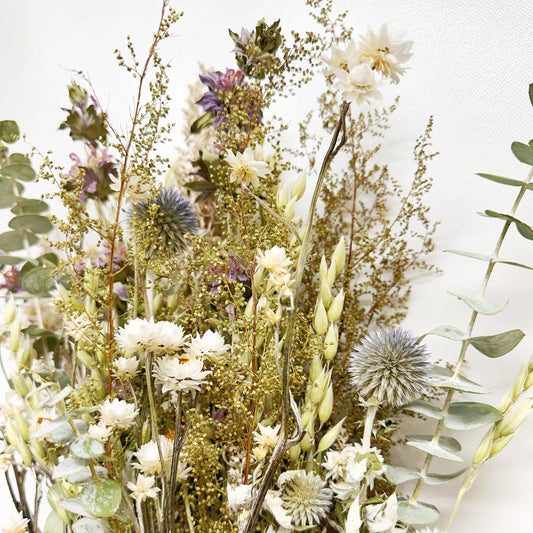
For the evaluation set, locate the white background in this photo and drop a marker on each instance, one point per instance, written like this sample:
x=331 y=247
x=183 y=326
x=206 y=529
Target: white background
x=471 y=71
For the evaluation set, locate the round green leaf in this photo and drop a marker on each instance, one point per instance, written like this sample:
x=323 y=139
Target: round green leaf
x=53 y=523
x=14 y=240
x=10 y=260
x=19 y=158
x=39 y=281
x=417 y=513
x=523 y=152
x=401 y=474
x=497 y=345
x=87 y=448
x=88 y=525
x=449 y=332
x=7 y=200
x=445 y=448
x=480 y=305
x=35 y=223
x=69 y=466
x=439 y=479
x=101 y=498
x=28 y=206
x=470 y=415
x=9 y=131
x=424 y=408
x=19 y=171
x=6 y=187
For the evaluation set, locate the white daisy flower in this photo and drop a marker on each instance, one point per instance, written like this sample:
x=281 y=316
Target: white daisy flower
x=141 y=335
x=209 y=346
x=125 y=368
x=359 y=83
x=274 y=260
x=150 y=464
x=342 y=59
x=16 y=525
x=143 y=488
x=385 y=52
x=118 y=414
x=245 y=168
x=179 y=374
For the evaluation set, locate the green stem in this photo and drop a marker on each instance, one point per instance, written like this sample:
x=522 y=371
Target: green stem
x=188 y=513
x=175 y=463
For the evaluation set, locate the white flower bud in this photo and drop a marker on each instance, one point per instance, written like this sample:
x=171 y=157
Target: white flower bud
x=332 y=272
x=320 y=321
x=25 y=353
x=249 y=311
x=85 y=358
x=289 y=210
x=330 y=437
x=339 y=255
x=325 y=293
x=22 y=425
x=9 y=311
x=335 y=309
x=20 y=385
x=24 y=451
x=326 y=405
x=331 y=342
x=294 y=452
x=11 y=433
x=38 y=451
x=14 y=334
x=319 y=387
x=323 y=269
x=315 y=368
x=299 y=186
x=283 y=196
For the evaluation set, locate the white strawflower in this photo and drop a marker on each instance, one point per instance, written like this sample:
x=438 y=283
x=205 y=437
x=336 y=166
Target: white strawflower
x=137 y=189
x=6 y=455
x=266 y=439
x=274 y=260
x=245 y=168
x=140 y=335
x=179 y=374
x=210 y=346
x=150 y=464
x=238 y=497
x=304 y=496
x=16 y=525
x=391 y=366
x=125 y=368
x=143 y=488
x=100 y=432
x=385 y=53
x=118 y=414
x=359 y=83
x=342 y=59
x=382 y=517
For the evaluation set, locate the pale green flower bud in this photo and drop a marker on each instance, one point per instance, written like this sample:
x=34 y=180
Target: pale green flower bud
x=316 y=367
x=323 y=269
x=331 y=342
x=332 y=273
x=330 y=437
x=283 y=196
x=98 y=383
x=172 y=301
x=22 y=425
x=319 y=387
x=518 y=387
x=101 y=356
x=308 y=417
x=483 y=450
x=158 y=300
x=259 y=276
x=339 y=255
x=85 y=358
x=320 y=321
x=15 y=334
x=11 y=433
x=335 y=309
x=298 y=188
x=326 y=405
x=306 y=443
x=146 y=431
x=500 y=444
x=294 y=452
x=25 y=353
x=38 y=451
x=24 y=451
x=9 y=311
x=510 y=427
x=289 y=210
x=529 y=380
x=249 y=310
x=324 y=293
x=20 y=385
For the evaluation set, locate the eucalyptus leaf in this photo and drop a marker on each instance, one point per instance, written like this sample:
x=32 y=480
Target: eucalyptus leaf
x=19 y=158
x=9 y=131
x=522 y=152
x=29 y=206
x=401 y=474
x=470 y=415
x=10 y=260
x=11 y=241
x=18 y=171
x=472 y=255
x=445 y=448
x=53 y=523
x=74 y=506
x=87 y=448
x=85 y=474
x=524 y=230
x=502 y=180
x=39 y=281
x=88 y=525
x=480 y=305
x=69 y=466
x=531 y=93
x=7 y=187
x=449 y=332
x=444 y=378
x=425 y=408
x=59 y=430
x=417 y=513
x=7 y=200
x=439 y=479
x=497 y=345
x=102 y=497
x=56 y=397
x=35 y=223
x=513 y=263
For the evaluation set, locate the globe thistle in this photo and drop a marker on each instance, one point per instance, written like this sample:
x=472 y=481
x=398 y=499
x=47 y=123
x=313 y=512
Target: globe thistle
x=160 y=226
x=391 y=366
x=304 y=496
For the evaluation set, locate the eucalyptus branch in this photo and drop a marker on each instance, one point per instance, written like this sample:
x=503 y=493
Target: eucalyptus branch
x=465 y=343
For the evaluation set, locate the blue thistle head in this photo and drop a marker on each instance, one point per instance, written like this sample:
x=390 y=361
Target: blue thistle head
x=390 y=365
x=161 y=225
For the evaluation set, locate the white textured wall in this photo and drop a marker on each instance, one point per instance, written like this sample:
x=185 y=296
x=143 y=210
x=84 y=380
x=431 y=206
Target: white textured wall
x=471 y=70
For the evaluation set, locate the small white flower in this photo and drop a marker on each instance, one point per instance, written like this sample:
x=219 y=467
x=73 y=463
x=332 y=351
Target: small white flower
x=358 y=84
x=179 y=374
x=274 y=260
x=149 y=463
x=16 y=525
x=386 y=53
x=140 y=335
x=267 y=436
x=136 y=190
x=143 y=488
x=342 y=59
x=100 y=432
x=238 y=497
x=209 y=346
x=6 y=456
x=125 y=368
x=245 y=168
x=382 y=517
x=118 y=414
